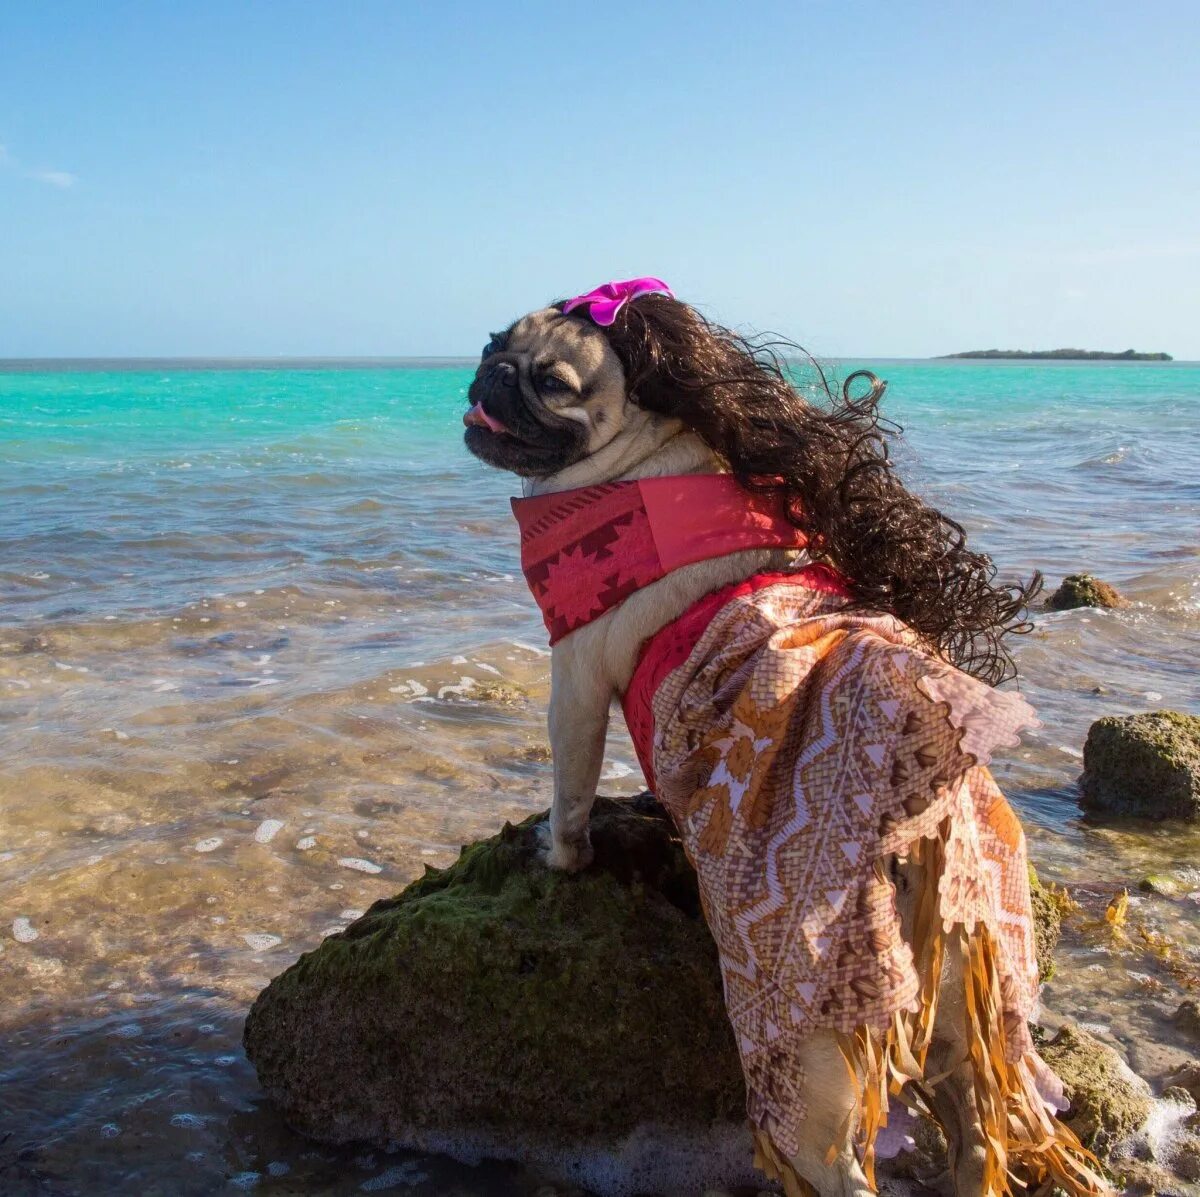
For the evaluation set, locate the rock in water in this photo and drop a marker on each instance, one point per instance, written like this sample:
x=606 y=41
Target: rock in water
x=496 y=1008
x=1108 y=1101
x=1144 y=765
x=1084 y=590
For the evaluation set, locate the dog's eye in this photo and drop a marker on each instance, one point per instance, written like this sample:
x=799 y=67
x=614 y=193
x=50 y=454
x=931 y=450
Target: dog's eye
x=491 y=347
x=552 y=384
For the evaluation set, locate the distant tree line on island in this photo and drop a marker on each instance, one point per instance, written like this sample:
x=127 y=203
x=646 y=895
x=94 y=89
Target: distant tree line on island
x=1063 y=355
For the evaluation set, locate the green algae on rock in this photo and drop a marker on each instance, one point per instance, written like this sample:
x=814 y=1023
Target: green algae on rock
x=1108 y=1101
x=1047 y=923
x=1084 y=590
x=497 y=1002
x=1162 y=884
x=1143 y=765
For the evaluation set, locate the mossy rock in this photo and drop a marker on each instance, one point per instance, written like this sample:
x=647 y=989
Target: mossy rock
x=1108 y=1101
x=1084 y=590
x=1144 y=765
x=1164 y=885
x=1047 y=924
x=496 y=1000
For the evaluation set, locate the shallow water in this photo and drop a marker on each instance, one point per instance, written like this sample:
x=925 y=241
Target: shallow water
x=264 y=653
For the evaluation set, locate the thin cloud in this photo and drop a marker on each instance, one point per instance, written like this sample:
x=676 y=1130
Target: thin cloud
x=55 y=178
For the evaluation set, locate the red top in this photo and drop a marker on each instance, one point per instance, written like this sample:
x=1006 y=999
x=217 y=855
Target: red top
x=585 y=551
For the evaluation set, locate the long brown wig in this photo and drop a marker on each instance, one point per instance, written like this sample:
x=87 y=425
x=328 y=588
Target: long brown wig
x=831 y=462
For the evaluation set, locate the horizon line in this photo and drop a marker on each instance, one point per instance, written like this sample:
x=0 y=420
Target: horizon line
x=82 y=363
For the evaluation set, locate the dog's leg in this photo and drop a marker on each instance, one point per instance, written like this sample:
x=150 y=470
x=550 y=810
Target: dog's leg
x=829 y=1122
x=579 y=700
x=953 y=1097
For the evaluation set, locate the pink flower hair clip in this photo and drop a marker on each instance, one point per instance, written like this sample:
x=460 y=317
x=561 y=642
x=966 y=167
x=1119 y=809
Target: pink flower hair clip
x=604 y=302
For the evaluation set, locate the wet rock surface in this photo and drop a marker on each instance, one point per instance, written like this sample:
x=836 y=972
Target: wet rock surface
x=1108 y=1101
x=1145 y=765
x=1047 y=923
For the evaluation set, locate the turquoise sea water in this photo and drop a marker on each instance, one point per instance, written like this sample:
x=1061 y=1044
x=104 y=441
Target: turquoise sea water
x=265 y=651
x=172 y=478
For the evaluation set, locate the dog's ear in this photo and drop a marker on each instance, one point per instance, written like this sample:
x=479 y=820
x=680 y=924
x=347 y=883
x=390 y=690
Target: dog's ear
x=661 y=344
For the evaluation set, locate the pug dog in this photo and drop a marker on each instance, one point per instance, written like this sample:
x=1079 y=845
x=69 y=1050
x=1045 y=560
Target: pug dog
x=563 y=402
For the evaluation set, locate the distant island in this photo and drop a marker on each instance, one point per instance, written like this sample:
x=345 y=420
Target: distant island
x=1062 y=355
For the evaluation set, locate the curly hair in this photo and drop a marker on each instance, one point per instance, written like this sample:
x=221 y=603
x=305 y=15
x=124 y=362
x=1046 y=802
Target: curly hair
x=831 y=462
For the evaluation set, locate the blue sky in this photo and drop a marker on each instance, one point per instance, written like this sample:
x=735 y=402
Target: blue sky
x=399 y=178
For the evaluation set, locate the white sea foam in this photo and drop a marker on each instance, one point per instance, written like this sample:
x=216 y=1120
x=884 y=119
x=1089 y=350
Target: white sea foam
x=465 y=685
x=306 y=843
x=211 y=844
x=613 y=770
x=531 y=648
x=1162 y=1134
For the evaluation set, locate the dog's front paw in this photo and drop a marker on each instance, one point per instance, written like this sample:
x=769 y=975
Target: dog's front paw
x=568 y=856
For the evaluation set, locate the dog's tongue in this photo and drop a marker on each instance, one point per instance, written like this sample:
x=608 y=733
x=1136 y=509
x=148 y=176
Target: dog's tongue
x=477 y=417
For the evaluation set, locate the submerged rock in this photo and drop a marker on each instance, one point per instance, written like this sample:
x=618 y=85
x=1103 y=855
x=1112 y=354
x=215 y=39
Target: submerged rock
x=1162 y=884
x=495 y=1008
x=1084 y=590
x=1108 y=1101
x=1144 y=765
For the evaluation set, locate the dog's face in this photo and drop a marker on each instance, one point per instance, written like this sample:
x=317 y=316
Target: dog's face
x=548 y=392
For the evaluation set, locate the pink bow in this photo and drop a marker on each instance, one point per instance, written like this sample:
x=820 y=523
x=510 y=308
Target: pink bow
x=608 y=299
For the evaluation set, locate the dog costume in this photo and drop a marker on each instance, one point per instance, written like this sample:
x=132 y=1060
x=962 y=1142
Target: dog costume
x=799 y=745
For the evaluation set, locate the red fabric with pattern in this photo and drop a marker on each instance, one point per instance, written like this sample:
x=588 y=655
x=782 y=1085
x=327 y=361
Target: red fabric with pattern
x=584 y=551
x=671 y=645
